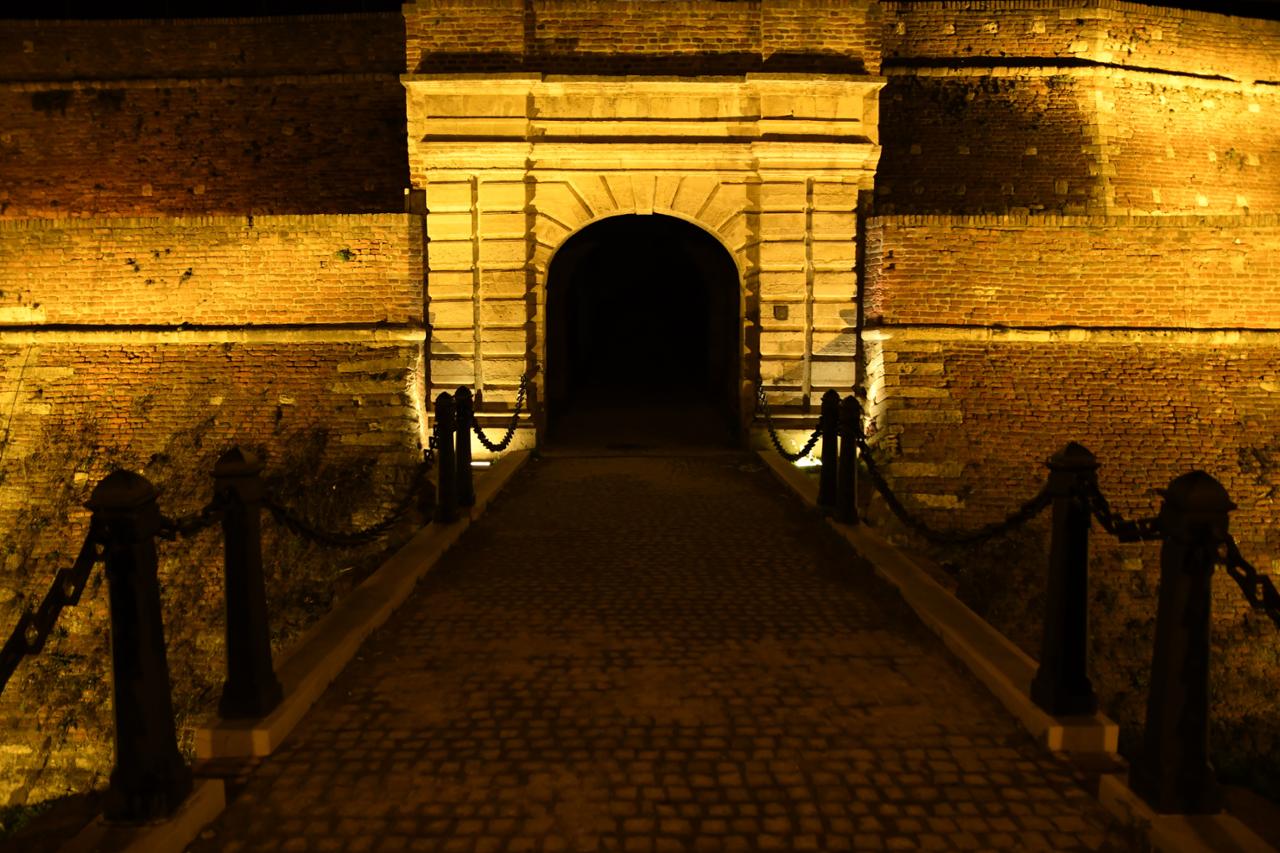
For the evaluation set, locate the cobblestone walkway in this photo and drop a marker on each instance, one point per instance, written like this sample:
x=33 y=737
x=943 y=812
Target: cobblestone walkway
x=656 y=654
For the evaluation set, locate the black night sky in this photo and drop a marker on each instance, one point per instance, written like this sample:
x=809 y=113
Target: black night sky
x=96 y=9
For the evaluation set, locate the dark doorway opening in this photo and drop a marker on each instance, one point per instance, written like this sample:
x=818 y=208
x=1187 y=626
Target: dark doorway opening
x=643 y=337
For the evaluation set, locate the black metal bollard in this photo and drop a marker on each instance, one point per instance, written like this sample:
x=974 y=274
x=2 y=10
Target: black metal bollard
x=535 y=413
x=1061 y=686
x=462 y=415
x=846 y=474
x=829 y=423
x=251 y=689
x=150 y=779
x=427 y=492
x=1172 y=772
x=446 y=461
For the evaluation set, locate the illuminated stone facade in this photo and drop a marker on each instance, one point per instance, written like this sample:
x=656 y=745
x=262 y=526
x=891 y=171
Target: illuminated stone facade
x=771 y=164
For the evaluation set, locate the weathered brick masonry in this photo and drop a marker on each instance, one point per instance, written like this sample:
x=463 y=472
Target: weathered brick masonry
x=136 y=118
x=218 y=270
x=308 y=328
x=322 y=414
x=1128 y=328
x=80 y=51
x=1097 y=107
x=1125 y=34
x=1073 y=237
x=1120 y=292
x=1018 y=271
x=941 y=154
x=692 y=37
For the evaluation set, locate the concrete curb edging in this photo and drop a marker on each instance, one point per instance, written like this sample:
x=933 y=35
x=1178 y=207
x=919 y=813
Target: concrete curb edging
x=305 y=671
x=325 y=649
x=1000 y=665
x=1175 y=833
x=1007 y=672
x=171 y=835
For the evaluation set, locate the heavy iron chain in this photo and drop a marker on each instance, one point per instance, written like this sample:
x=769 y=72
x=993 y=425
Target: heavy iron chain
x=187 y=526
x=33 y=628
x=499 y=446
x=1249 y=580
x=1027 y=511
x=762 y=406
x=351 y=538
x=1139 y=530
x=1241 y=571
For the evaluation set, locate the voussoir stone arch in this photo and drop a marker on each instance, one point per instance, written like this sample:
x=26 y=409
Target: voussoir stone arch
x=771 y=165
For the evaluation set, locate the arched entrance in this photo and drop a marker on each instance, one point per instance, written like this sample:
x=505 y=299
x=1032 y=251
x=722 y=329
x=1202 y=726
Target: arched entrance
x=644 y=346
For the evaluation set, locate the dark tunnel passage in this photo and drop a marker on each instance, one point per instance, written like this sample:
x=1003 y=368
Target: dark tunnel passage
x=643 y=336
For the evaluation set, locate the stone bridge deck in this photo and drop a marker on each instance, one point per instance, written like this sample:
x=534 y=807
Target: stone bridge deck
x=653 y=654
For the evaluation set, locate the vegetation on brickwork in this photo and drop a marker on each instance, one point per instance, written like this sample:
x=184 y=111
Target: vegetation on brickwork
x=325 y=493
x=1003 y=581
x=14 y=818
x=56 y=702
x=55 y=715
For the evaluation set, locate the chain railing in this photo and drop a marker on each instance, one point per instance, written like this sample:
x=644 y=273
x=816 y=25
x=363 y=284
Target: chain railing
x=296 y=524
x=33 y=628
x=1251 y=582
x=860 y=450
x=762 y=408
x=505 y=441
x=1125 y=530
x=151 y=779
x=1172 y=771
x=187 y=526
x=1028 y=510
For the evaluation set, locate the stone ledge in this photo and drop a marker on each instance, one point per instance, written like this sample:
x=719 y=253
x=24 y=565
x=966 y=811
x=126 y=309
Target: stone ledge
x=1004 y=668
x=1070 y=335
x=324 y=650
x=172 y=835
x=1172 y=833
x=370 y=335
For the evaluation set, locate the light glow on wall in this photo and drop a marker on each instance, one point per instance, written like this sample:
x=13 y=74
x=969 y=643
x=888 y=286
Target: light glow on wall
x=416 y=391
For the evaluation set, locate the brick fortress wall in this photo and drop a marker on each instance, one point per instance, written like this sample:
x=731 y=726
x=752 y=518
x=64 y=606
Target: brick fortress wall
x=155 y=345
x=156 y=312
x=622 y=37
x=1095 y=109
x=1076 y=240
x=143 y=118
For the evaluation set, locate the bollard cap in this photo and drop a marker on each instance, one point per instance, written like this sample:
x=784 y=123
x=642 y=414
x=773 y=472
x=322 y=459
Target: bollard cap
x=1197 y=493
x=237 y=462
x=121 y=490
x=1073 y=457
x=1195 y=500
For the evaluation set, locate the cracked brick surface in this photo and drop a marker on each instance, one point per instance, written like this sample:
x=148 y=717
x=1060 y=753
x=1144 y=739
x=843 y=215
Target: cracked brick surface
x=656 y=654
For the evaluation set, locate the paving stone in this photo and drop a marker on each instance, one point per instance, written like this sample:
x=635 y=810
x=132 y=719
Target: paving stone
x=657 y=654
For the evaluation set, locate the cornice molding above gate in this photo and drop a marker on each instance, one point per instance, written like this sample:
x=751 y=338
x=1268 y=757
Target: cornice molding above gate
x=750 y=122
